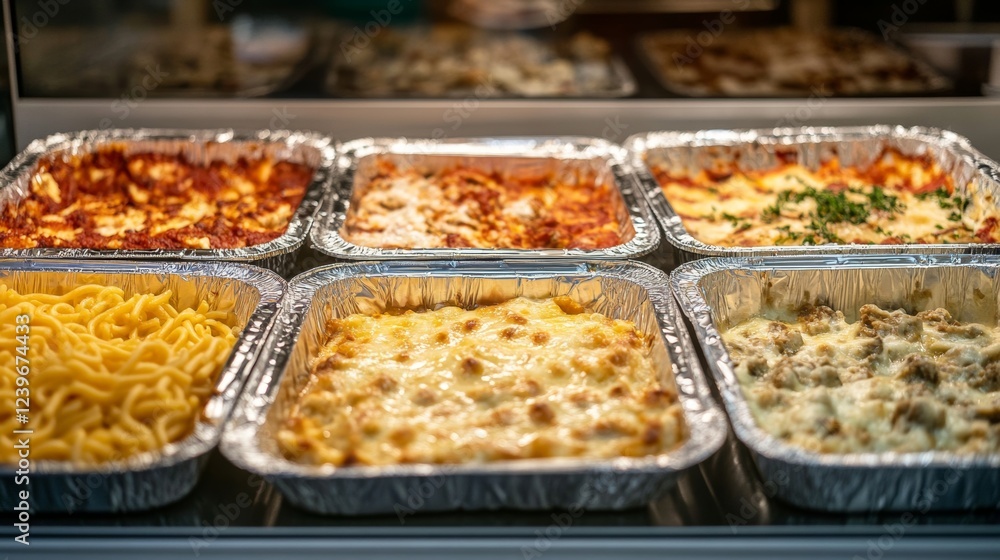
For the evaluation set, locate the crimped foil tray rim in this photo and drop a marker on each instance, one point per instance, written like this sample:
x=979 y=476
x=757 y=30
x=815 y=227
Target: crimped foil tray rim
x=206 y=434
x=677 y=235
x=939 y=83
x=697 y=403
x=684 y=284
x=293 y=238
x=325 y=234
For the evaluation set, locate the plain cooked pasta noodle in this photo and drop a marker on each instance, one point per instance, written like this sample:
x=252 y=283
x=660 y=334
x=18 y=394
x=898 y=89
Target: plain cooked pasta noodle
x=110 y=376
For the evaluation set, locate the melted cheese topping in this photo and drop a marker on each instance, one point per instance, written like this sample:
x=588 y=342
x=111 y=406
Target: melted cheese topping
x=517 y=380
x=888 y=382
x=785 y=62
x=107 y=200
x=897 y=199
x=464 y=207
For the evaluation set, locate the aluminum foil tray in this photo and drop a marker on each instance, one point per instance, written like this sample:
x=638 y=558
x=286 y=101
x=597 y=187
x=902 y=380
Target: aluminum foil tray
x=974 y=175
x=198 y=146
x=604 y=77
x=716 y=293
x=250 y=57
x=659 y=63
x=150 y=479
x=356 y=160
x=630 y=291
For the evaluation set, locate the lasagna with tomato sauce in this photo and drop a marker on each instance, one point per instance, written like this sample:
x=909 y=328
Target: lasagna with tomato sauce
x=889 y=381
x=897 y=199
x=109 y=199
x=522 y=379
x=417 y=208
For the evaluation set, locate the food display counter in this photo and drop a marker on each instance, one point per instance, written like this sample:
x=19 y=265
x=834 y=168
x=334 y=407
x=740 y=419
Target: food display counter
x=567 y=209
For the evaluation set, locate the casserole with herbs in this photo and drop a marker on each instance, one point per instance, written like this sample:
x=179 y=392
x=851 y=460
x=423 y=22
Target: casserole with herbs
x=896 y=199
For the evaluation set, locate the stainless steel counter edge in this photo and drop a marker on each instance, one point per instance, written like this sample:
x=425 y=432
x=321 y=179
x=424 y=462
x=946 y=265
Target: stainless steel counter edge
x=386 y=545
x=613 y=120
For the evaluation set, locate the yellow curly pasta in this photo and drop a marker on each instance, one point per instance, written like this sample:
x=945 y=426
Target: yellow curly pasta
x=109 y=377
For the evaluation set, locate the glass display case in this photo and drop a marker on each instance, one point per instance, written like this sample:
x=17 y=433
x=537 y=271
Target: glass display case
x=589 y=68
x=448 y=69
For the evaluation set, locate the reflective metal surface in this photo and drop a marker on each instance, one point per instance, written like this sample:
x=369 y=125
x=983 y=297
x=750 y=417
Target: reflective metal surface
x=716 y=293
x=562 y=157
x=628 y=291
x=198 y=147
x=975 y=176
x=149 y=479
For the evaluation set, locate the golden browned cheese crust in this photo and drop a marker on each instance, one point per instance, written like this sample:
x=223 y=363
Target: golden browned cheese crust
x=895 y=199
x=890 y=381
x=523 y=379
x=466 y=207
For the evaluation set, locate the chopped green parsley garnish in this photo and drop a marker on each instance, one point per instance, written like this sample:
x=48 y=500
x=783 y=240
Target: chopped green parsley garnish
x=833 y=208
x=740 y=224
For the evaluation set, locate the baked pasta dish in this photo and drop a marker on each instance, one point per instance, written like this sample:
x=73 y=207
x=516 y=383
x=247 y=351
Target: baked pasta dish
x=522 y=379
x=890 y=381
x=455 y=60
x=95 y=375
x=897 y=199
x=415 y=208
x=109 y=199
x=786 y=62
